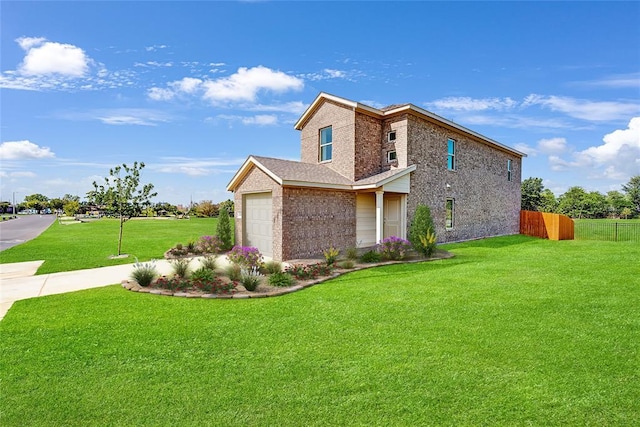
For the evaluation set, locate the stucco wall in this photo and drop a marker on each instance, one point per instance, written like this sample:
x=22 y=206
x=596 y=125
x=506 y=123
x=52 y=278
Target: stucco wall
x=486 y=203
x=315 y=219
x=257 y=181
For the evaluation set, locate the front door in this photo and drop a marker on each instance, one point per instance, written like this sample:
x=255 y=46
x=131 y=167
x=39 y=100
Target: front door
x=392 y=218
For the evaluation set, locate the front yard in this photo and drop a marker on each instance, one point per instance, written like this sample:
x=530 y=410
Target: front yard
x=512 y=331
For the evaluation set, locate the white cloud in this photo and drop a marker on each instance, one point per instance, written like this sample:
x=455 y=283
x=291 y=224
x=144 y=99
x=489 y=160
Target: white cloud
x=618 y=158
x=187 y=85
x=619 y=81
x=525 y=148
x=584 y=109
x=329 y=73
x=470 y=104
x=160 y=94
x=293 y=107
x=196 y=166
x=244 y=85
x=44 y=57
x=23 y=174
x=27 y=43
x=261 y=120
x=21 y=150
x=132 y=116
x=552 y=145
x=155 y=47
x=118 y=116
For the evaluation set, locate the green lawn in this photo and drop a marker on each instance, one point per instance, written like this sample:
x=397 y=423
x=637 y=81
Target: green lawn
x=512 y=331
x=621 y=230
x=89 y=245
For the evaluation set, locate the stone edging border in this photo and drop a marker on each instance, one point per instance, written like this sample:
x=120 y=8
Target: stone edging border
x=133 y=286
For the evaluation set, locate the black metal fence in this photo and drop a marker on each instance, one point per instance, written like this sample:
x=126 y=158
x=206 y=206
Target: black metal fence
x=605 y=230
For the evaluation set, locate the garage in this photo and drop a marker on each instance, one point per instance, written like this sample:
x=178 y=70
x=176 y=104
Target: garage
x=258 y=223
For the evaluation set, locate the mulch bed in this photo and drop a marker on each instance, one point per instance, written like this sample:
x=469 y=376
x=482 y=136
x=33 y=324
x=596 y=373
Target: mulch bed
x=264 y=290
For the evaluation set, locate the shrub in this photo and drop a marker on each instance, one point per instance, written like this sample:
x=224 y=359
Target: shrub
x=371 y=256
x=175 y=283
x=192 y=247
x=273 y=267
x=394 y=248
x=210 y=244
x=306 y=272
x=202 y=274
x=180 y=267
x=331 y=255
x=245 y=256
x=209 y=262
x=422 y=226
x=428 y=243
x=223 y=230
x=233 y=272
x=351 y=253
x=144 y=273
x=281 y=279
x=215 y=286
x=250 y=278
x=347 y=264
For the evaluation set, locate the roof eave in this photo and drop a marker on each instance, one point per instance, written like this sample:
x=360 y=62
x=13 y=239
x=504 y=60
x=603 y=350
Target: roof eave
x=244 y=170
x=323 y=96
x=385 y=180
x=433 y=116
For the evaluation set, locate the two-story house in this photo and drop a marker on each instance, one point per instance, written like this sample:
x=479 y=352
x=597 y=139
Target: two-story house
x=362 y=173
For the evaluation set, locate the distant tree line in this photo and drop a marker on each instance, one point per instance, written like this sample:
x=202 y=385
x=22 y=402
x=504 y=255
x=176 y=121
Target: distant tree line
x=72 y=205
x=578 y=203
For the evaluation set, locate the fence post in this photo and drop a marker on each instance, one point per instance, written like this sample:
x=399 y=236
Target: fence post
x=616 y=234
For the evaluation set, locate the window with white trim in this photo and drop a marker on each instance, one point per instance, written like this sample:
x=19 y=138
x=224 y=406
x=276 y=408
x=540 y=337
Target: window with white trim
x=326 y=144
x=391 y=136
x=449 y=213
x=391 y=156
x=509 y=170
x=451 y=154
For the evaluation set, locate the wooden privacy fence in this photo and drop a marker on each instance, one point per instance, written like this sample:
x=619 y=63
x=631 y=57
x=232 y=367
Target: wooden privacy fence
x=546 y=225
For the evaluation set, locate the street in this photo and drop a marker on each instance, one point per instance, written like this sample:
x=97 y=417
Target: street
x=25 y=227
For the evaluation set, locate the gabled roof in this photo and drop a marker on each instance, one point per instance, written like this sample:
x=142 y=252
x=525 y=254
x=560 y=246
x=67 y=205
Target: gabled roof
x=297 y=174
x=397 y=109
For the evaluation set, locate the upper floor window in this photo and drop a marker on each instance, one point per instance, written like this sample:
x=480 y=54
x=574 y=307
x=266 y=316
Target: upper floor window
x=391 y=136
x=326 y=144
x=391 y=156
x=451 y=154
x=508 y=170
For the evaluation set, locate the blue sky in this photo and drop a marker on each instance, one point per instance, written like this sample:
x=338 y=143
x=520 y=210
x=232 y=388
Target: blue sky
x=193 y=88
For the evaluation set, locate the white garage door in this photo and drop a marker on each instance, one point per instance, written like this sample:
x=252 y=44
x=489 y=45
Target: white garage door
x=257 y=222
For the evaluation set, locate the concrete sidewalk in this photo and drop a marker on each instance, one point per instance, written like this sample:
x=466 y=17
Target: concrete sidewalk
x=17 y=281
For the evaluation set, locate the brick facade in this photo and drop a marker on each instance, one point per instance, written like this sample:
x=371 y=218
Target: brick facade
x=308 y=217
x=486 y=203
x=313 y=220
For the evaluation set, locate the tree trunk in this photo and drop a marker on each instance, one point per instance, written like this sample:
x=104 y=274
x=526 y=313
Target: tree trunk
x=120 y=235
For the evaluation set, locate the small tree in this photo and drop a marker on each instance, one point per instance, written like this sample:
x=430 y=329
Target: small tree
x=531 y=189
x=632 y=190
x=207 y=208
x=422 y=233
x=123 y=195
x=71 y=208
x=223 y=229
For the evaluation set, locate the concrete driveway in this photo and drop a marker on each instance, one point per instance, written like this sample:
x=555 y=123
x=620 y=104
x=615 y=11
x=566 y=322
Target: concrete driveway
x=25 y=227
